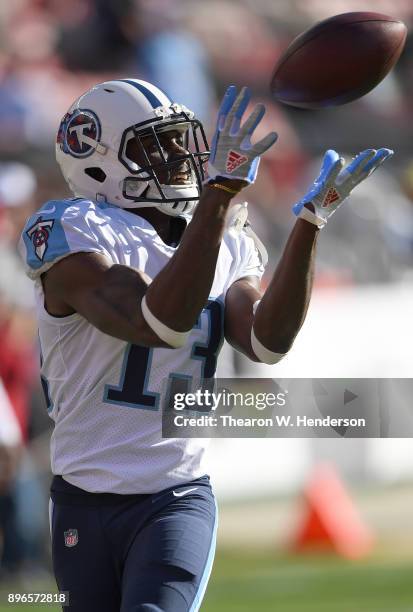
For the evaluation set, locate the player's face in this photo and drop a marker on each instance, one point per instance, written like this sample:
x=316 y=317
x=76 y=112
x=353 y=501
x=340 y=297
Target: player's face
x=169 y=146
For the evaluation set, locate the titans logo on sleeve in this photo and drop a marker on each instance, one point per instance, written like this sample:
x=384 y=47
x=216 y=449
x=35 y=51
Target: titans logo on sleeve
x=39 y=235
x=79 y=133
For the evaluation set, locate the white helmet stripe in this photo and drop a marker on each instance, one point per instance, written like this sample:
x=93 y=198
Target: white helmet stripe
x=153 y=94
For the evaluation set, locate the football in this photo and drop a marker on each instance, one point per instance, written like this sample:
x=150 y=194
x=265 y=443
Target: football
x=338 y=60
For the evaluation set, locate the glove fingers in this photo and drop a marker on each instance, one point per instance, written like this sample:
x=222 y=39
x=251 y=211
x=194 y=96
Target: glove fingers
x=334 y=171
x=226 y=105
x=253 y=120
x=230 y=138
x=233 y=119
x=377 y=160
x=265 y=143
x=352 y=174
x=359 y=162
x=330 y=158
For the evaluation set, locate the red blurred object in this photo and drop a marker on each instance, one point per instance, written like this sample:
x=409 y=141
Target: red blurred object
x=338 y=60
x=17 y=373
x=331 y=521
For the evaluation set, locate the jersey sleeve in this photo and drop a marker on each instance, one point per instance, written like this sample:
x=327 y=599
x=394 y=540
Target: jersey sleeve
x=58 y=229
x=250 y=261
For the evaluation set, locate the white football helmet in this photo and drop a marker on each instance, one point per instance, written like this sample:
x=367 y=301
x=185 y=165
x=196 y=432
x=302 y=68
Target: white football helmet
x=93 y=138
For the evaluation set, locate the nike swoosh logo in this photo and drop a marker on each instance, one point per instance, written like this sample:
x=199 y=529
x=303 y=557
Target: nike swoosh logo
x=182 y=493
x=48 y=210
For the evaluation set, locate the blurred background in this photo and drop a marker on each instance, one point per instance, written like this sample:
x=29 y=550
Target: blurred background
x=276 y=495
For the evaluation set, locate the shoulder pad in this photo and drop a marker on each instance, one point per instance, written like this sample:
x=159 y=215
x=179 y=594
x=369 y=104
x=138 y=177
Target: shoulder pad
x=57 y=229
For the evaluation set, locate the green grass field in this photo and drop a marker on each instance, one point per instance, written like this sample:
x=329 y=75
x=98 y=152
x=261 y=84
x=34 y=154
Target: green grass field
x=309 y=584
x=252 y=582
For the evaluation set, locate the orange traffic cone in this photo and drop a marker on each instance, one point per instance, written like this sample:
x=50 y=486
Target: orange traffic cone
x=331 y=521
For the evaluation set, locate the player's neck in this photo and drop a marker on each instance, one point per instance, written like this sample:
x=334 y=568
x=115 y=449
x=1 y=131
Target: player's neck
x=168 y=228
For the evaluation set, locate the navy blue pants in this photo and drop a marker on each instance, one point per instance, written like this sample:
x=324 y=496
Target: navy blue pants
x=130 y=553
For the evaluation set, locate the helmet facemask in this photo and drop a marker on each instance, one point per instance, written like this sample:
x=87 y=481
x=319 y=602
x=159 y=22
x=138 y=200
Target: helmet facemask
x=150 y=183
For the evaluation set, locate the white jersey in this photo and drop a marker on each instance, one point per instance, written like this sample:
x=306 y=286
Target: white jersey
x=105 y=395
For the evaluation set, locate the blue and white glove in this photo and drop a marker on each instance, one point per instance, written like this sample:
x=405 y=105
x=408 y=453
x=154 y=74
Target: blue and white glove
x=233 y=156
x=335 y=184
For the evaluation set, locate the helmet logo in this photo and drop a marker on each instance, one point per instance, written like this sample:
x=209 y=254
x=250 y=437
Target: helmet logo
x=79 y=133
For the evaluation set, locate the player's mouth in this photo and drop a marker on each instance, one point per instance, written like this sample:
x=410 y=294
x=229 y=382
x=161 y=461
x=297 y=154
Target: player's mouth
x=180 y=178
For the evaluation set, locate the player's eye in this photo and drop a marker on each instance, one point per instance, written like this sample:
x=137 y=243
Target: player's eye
x=172 y=138
x=148 y=142
x=151 y=146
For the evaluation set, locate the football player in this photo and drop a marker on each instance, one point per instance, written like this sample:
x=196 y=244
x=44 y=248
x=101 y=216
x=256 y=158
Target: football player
x=138 y=277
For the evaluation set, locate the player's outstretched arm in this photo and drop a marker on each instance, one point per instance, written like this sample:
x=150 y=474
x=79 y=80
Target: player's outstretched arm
x=161 y=312
x=180 y=291
x=272 y=325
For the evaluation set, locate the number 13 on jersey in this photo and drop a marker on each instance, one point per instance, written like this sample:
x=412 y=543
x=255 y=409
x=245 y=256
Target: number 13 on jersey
x=133 y=390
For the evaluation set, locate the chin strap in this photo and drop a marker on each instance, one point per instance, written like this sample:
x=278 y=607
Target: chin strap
x=173 y=208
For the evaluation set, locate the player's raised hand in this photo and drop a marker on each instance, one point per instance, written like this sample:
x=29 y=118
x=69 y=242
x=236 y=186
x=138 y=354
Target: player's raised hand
x=233 y=156
x=336 y=182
